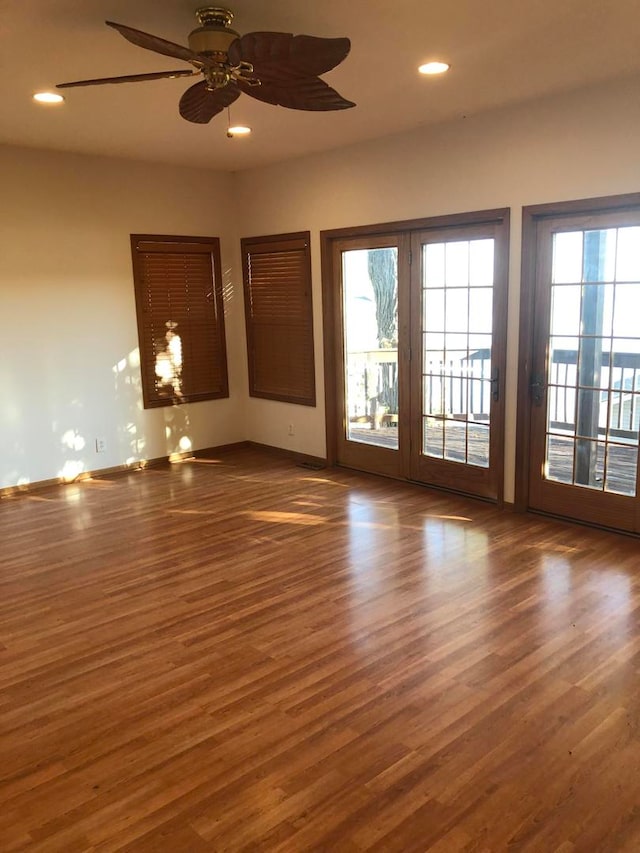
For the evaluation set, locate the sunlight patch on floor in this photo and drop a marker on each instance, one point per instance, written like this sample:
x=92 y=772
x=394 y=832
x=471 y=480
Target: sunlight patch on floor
x=274 y=517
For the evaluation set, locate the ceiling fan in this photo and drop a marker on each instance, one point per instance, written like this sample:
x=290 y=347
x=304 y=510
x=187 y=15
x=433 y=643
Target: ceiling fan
x=277 y=68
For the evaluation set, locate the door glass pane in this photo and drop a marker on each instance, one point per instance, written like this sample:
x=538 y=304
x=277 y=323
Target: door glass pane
x=559 y=463
x=628 y=260
x=478 y=450
x=625 y=315
x=370 y=311
x=457 y=311
x=481 y=263
x=434 y=320
x=622 y=462
x=457 y=308
x=567 y=258
x=433 y=436
x=593 y=410
x=565 y=314
x=457 y=264
x=480 y=309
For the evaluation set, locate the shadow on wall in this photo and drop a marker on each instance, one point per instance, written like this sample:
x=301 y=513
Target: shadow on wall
x=72 y=447
x=65 y=445
x=138 y=439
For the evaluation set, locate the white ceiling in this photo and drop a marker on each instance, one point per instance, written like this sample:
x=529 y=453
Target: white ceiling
x=501 y=51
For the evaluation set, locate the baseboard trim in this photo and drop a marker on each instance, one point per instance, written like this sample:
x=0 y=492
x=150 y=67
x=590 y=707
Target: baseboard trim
x=207 y=452
x=298 y=458
x=118 y=470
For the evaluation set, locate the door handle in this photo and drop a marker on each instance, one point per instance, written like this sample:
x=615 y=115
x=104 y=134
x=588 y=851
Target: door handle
x=538 y=387
x=495 y=384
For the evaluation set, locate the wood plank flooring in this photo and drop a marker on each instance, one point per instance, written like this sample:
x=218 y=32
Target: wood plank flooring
x=241 y=654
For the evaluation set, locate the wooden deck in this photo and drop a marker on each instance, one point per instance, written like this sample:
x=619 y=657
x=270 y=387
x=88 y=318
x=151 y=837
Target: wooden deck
x=238 y=654
x=621 y=471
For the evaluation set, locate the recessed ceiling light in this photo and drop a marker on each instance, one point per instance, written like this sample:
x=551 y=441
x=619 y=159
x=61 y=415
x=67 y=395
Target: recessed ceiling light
x=48 y=98
x=238 y=130
x=434 y=68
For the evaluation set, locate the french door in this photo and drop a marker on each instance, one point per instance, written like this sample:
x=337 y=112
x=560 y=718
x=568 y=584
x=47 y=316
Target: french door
x=585 y=369
x=418 y=321
x=458 y=293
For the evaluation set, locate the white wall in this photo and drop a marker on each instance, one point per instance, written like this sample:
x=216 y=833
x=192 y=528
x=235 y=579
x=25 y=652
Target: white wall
x=576 y=145
x=65 y=222
x=68 y=371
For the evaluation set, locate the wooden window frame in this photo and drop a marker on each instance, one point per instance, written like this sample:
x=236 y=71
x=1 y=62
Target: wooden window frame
x=214 y=325
x=302 y=392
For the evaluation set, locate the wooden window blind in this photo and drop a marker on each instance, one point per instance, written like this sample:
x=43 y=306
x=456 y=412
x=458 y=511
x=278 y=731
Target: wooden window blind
x=279 y=316
x=178 y=289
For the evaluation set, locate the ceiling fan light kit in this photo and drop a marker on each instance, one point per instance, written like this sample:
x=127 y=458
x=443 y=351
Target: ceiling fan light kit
x=276 y=68
x=238 y=130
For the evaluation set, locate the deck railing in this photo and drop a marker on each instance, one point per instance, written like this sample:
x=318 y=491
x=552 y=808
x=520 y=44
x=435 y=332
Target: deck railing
x=462 y=388
x=623 y=384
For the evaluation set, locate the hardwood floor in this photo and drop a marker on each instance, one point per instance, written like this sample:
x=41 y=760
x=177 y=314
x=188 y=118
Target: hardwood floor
x=238 y=653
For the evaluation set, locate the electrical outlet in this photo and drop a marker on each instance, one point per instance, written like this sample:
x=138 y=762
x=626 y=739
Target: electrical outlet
x=101 y=445
x=291 y=431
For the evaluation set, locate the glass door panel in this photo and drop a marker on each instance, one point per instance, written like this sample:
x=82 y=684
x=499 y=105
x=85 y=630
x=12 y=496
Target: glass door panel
x=457 y=301
x=370 y=311
x=586 y=413
x=370 y=372
x=457 y=394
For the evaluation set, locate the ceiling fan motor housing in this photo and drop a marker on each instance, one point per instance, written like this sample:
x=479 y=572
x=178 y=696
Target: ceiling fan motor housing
x=214 y=35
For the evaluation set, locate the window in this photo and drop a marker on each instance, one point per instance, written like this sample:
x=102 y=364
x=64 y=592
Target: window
x=277 y=291
x=178 y=288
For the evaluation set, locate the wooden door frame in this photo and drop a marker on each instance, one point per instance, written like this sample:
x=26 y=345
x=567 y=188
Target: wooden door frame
x=532 y=216
x=329 y=292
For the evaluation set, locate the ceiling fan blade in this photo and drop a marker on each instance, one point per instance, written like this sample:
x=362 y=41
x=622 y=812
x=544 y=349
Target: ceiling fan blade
x=155 y=43
x=128 y=78
x=310 y=93
x=200 y=105
x=277 y=57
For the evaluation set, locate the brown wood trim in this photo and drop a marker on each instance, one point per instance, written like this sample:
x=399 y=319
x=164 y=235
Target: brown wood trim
x=216 y=450
x=423 y=224
x=276 y=239
x=117 y=470
x=36 y=486
x=299 y=458
x=589 y=525
x=501 y=342
x=525 y=355
x=329 y=344
x=601 y=204
x=405 y=346
x=159 y=241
